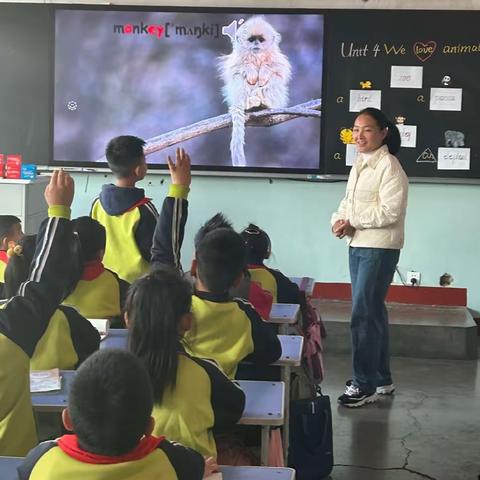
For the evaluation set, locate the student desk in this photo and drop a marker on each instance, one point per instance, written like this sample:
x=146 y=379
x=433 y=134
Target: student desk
x=8 y=467
x=264 y=404
x=8 y=471
x=284 y=314
x=305 y=284
x=116 y=338
x=257 y=473
x=291 y=346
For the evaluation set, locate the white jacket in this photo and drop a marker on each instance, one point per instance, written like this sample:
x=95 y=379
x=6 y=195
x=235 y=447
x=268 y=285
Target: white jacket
x=376 y=201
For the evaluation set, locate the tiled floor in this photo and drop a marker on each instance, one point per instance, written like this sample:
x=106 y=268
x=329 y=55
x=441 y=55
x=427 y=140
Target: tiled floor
x=430 y=428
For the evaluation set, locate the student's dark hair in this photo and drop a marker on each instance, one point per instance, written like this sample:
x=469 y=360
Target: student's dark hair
x=258 y=244
x=18 y=266
x=392 y=140
x=91 y=235
x=6 y=223
x=221 y=258
x=155 y=304
x=217 y=221
x=110 y=402
x=124 y=154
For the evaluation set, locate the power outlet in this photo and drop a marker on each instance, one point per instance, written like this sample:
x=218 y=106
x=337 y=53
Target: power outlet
x=413 y=278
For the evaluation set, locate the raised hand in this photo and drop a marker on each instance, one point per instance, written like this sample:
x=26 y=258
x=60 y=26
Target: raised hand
x=180 y=169
x=60 y=190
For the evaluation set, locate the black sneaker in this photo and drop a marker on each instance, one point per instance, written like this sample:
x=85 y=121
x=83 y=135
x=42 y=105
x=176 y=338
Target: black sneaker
x=356 y=397
x=381 y=389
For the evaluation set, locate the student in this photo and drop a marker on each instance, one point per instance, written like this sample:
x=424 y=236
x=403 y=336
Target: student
x=26 y=316
x=192 y=396
x=10 y=231
x=69 y=338
x=109 y=407
x=225 y=329
x=99 y=292
x=127 y=215
x=248 y=289
x=259 y=249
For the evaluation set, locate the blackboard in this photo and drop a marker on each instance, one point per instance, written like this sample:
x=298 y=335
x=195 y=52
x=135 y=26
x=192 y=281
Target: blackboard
x=363 y=46
x=25 y=81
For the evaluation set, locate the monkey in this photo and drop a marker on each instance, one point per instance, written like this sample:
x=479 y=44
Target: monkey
x=255 y=75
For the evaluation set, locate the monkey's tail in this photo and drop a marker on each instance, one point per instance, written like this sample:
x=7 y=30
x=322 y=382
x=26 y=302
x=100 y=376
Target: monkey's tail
x=238 y=137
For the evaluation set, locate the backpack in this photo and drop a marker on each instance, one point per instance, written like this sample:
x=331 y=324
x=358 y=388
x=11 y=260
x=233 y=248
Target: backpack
x=312 y=344
x=311 y=438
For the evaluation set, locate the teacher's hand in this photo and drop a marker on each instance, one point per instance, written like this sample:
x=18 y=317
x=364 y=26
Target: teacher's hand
x=342 y=228
x=337 y=227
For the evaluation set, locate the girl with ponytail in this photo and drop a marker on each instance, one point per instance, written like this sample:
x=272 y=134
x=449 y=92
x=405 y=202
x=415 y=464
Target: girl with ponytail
x=371 y=217
x=192 y=396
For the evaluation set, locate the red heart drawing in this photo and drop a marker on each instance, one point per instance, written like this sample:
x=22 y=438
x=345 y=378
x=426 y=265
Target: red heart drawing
x=423 y=51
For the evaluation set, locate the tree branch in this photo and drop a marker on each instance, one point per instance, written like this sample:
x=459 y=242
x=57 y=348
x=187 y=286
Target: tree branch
x=261 y=118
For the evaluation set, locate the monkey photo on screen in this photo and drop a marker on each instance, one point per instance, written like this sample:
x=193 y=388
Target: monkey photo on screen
x=255 y=75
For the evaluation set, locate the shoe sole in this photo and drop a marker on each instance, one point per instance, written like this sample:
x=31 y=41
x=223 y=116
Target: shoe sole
x=371 y=399
x=386 y=392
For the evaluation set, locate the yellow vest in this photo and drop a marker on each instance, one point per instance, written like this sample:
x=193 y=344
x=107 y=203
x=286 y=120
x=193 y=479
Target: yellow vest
x=3 y=267
x=265 y=279
x=17 y=426
x=186 y=414
x=57 y=465
x=221 y=331
x=55 y=349
x=122 y=254
x=97 y=298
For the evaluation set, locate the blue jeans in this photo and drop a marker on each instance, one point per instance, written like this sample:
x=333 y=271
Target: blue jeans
x=371 y=272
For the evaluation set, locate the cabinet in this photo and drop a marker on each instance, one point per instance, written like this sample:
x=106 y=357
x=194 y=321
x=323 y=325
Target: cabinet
x=24 y=199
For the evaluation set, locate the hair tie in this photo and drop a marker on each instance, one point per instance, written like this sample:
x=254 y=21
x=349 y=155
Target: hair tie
x=14 y=250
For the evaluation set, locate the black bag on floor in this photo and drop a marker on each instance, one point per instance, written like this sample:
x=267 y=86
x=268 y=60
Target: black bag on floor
x=311 y=443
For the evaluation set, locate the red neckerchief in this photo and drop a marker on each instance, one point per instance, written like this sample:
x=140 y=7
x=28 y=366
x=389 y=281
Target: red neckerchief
x=92 y=270
x=141 y=202
x=261 y=299
x=256 y=267
x=3 y=256
x=69 y=445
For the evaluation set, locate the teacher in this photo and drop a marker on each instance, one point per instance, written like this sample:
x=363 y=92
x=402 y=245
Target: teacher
x=371 y=217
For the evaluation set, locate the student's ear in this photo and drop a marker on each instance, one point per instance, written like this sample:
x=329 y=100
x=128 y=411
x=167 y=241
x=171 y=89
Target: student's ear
x=4 y=244
x=150 y=426
x=238 y=280
x=185 y=323
x=193 y=268
x=125 y=317
x=267 y=255
x=66 y=420
x=100 y=254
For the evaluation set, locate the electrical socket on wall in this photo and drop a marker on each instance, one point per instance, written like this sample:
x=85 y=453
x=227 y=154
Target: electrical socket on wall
x=413 y=278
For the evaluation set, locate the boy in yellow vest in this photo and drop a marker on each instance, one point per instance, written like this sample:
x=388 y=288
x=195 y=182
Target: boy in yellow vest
x=109 y=410
x=99 y=293
x=127 y=215
x=26 y=316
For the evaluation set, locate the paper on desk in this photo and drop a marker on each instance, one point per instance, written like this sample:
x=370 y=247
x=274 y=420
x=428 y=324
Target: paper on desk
x=101 y=324
x=45 y=380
